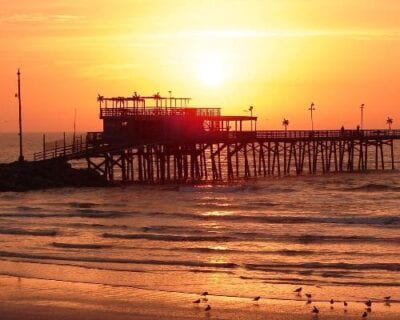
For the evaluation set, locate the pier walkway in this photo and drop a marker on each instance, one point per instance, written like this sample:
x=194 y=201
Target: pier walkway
x=228 y=155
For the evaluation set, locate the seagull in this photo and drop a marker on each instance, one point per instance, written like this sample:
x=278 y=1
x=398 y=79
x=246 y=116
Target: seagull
x=308 y=295
x=332 y=301
x=208 y=308
x=315 y=310
x=298 y=290
x=196 y=301
x=368 y=303
x=345 y=303
x=205 y=293
x=364 y=315
x=257 y=298
x=388 y=298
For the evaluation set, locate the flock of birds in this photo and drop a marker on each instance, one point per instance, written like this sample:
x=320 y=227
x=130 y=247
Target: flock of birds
x=298 y=291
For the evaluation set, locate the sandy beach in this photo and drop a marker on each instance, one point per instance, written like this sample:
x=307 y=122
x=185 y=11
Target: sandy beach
x=23 y=298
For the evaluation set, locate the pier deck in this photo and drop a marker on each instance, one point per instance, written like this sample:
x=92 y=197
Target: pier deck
x=159 y=139
x=230 y=155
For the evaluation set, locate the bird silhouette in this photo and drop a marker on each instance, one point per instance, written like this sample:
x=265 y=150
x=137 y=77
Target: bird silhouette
x=308 y=295
x=208 y=308
x=387 y=298
x=256 y=298
x=368 y=303
x=345 y=303
x=315 y=310
x=205 y=293
x=298 y=290
x=364 y=315
x=332 y=301
x=196 y=301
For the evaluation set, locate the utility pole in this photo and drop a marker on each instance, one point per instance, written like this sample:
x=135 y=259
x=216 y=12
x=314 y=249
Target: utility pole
x=21 y=156
x=312 y=108
x=362 y=116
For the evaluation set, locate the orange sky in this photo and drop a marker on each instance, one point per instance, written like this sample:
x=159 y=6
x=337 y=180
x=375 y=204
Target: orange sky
x=276 y=55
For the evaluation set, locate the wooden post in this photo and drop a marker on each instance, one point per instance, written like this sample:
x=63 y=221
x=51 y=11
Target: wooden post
x=44 y=147
x=64 y=142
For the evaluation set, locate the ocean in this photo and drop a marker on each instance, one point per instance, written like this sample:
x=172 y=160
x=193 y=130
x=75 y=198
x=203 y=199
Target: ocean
x=337 y=236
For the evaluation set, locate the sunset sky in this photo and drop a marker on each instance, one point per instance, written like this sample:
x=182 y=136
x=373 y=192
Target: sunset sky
x=276 y=55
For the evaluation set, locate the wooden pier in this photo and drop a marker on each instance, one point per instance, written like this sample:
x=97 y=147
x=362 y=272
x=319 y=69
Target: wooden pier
x=174 y=143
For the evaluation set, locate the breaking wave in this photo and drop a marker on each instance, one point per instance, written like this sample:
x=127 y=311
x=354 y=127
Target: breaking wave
x=26 y=232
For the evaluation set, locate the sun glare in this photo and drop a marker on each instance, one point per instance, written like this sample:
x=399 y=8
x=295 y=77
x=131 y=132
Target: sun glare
x=212 y=70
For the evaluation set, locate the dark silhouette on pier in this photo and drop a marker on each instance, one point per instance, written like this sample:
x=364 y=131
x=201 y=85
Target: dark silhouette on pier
x=159 y=139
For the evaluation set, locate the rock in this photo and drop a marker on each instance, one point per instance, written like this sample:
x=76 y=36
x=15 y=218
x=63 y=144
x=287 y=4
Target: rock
x=56 y=173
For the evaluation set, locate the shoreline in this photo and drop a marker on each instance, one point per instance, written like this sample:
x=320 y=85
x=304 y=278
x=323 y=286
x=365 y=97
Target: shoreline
x=38 y=299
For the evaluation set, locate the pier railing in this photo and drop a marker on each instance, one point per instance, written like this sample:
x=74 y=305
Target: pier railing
x=168 y=111
x=61 y=148
x=329 y=134
x=81 y=146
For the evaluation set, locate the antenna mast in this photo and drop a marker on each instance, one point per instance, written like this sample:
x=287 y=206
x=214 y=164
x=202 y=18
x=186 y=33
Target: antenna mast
x=21 y=156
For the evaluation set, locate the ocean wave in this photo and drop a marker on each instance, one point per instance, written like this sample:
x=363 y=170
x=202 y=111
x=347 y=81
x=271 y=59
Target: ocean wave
x=28 y=208
x=185 y=263
x=84 y=213
x=79 y=245
x=84 y=205
x=384 y=220
x=373 y=187
x=29 y=232
x=318 y=282
x=167 y=237
x=253 y=236
x=320 y=265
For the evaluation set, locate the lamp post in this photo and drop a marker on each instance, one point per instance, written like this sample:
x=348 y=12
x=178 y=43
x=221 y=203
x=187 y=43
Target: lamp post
x=362 y=116
x=18 y=95
x=312 y=108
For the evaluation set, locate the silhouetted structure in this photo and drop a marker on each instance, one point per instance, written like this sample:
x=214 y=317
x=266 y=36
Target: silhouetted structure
x=158 y=139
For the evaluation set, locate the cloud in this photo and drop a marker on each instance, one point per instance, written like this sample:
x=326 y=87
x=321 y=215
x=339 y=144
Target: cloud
x=374 y=34
x=40 y=18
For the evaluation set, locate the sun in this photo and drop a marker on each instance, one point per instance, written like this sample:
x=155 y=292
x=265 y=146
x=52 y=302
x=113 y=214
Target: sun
x=211 y=69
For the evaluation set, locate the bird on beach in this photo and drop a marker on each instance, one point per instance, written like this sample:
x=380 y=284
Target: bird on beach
x=332 y=301
x=257 y=298
x=364 y=315
x=298 y=291
x=205 y=293
x=196 y=301
x=387 y=298
x=208 y=308
x=368 y=303
x=308 y=295
x=315 y=310
x=345 y=303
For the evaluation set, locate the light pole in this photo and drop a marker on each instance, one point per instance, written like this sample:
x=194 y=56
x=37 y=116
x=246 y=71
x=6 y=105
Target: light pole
x=21 y=156
x=312 y=108
x=362 y=116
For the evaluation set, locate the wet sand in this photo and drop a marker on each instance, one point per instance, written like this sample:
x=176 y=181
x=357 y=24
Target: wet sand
x=24 y=298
